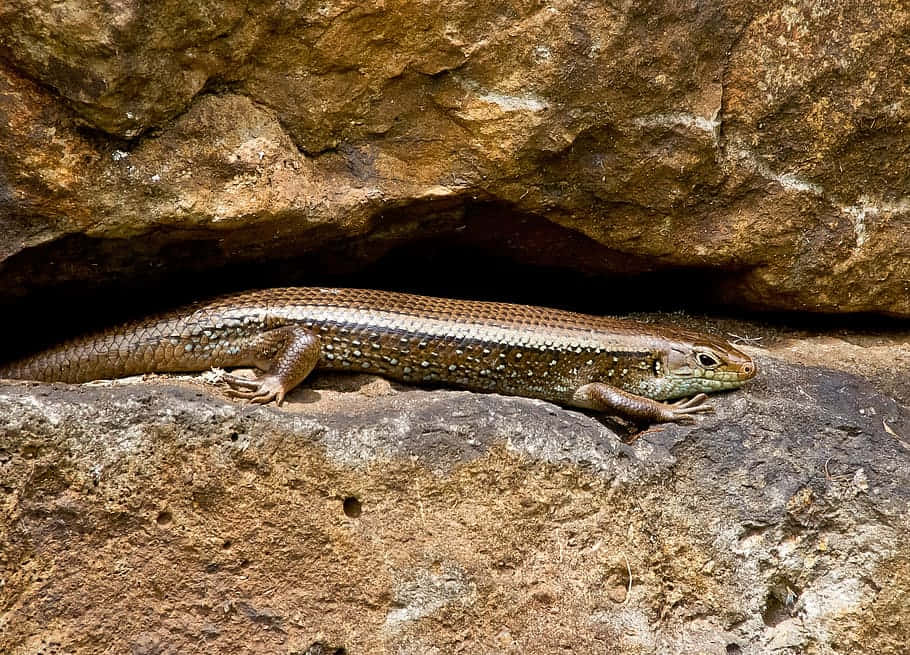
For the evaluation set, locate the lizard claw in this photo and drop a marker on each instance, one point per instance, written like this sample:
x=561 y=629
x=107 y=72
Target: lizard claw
x=260 y=391
x=691 y=402
x=237 y=382
x=682 y=410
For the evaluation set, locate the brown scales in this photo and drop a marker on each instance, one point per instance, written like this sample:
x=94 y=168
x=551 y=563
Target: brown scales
x=569 y=358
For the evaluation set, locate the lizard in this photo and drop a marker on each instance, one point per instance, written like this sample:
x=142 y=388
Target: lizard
x=621 y=367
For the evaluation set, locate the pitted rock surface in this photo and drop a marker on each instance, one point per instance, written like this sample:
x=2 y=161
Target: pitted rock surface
x=156 y=517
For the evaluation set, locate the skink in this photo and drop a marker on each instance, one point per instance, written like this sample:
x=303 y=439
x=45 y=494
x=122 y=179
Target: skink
x=621 y=367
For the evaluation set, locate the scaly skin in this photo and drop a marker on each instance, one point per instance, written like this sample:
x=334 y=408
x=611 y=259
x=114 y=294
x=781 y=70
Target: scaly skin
x=616 y=366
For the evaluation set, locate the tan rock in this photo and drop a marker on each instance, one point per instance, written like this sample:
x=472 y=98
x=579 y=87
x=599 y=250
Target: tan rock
x=764 y=144
x=156 y=516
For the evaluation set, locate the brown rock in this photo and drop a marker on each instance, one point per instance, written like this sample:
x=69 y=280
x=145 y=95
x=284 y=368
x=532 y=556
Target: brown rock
x=766 y=145
x=161 y=518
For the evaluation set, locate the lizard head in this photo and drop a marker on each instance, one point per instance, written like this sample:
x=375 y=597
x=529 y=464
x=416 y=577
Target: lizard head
x=698 y=363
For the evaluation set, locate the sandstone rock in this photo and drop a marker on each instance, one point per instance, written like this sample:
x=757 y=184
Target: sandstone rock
x=765 y=144
x=158 y=518
x=762 y=145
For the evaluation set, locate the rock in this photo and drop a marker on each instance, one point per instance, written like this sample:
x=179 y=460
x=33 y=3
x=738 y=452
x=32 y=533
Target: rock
x=765 y=145
x=158 y=517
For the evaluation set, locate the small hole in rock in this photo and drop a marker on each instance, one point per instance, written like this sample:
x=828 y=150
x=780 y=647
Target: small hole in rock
x=227 y=544
x=164 y=519
x=778 y=604
x=233 y=436
x=352 y=507
x=318 y=648
x=734 y=649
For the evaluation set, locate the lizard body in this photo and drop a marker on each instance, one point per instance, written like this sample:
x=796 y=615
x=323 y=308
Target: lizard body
x=617 y=366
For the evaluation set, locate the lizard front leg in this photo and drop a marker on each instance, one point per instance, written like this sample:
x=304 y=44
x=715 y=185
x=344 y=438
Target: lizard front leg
x=286 y=355
x=639 y=409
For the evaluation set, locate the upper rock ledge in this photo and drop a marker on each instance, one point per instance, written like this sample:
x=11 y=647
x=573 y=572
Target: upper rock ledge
x=765 y=141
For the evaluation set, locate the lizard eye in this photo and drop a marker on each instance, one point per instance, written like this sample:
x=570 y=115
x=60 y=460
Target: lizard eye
x=707 y=360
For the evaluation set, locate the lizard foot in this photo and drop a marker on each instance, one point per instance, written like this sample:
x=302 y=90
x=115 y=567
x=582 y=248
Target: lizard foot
x=681 y=411
x=262 y=390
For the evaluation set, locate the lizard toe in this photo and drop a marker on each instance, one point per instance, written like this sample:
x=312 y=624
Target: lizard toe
x=237 y=382
x=260 y=391
x=691 y=402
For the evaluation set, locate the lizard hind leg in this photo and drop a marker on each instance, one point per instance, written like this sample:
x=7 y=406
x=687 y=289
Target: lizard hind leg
x=286 y=355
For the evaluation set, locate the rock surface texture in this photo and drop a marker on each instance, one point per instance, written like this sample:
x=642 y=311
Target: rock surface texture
x=365 y=518
x=765 y=142
x=762 y=145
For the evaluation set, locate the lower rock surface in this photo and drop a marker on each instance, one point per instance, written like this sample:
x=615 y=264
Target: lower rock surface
x=368 y=518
